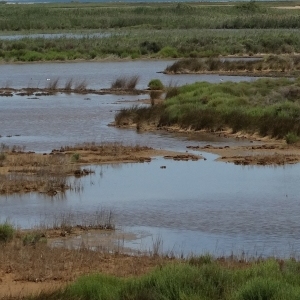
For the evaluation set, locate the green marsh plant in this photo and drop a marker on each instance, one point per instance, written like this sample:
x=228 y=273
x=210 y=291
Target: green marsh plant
x=7 y=232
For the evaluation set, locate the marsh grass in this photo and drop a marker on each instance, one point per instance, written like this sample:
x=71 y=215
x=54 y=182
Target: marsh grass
x=261 y=106
x=68 y=84
x=270 y=64
x=80 y=86
x=228 y=280
x=184 y=43
x=7 y=232
x=125 y=83
x=53 y=84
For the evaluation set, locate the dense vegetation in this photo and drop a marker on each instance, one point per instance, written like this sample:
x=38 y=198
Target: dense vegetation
x=148 y=30
x=270 y=65
x=267 y=106
x=198 y=278
x=156 y=16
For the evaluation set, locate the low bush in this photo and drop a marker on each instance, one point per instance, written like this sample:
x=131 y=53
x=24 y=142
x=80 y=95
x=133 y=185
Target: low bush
x=33 y=238
x=7 y=232
x=291 y=138
x=155 y=84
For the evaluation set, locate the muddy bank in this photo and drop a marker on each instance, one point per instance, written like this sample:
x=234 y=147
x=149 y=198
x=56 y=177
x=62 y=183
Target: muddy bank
x=47 y=173
x=38 y=92
x=27 y=270
x=264 y=151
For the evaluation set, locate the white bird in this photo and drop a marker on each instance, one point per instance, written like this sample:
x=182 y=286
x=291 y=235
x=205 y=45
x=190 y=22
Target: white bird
x=48 y=78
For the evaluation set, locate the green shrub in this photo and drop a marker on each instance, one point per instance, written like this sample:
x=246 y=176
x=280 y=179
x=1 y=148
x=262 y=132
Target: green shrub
x=155 y=84
x=7 y=232
x=75 y=157
x=291 y=138
x=168 y=52
x=33 y=238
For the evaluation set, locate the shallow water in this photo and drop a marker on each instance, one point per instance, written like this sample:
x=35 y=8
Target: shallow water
x=192 y=206
x=53 y=121
x=99 y=74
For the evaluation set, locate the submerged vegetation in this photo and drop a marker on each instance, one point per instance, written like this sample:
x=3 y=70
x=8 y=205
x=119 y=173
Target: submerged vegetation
x=157 y=30
x=266 y=106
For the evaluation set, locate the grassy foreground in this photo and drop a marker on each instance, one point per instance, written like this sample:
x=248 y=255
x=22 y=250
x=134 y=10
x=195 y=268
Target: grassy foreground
x=266 y=106
x=198 y=278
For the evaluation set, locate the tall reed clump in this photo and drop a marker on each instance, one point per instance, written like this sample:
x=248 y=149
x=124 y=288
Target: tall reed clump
x=125 y=83
x=53 y=84
x=7 y=232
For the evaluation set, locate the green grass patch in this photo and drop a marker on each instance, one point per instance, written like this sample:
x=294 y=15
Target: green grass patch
x=207 y=280
x=7 y=232
x=267 y=106
x=155 y=84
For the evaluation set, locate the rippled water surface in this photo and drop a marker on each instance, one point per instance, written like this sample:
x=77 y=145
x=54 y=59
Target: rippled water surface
x=192 y=206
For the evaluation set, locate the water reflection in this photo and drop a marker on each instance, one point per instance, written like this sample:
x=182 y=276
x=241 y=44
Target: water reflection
x=195 y=206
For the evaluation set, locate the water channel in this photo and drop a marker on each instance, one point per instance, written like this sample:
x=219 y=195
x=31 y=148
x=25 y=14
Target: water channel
x=193 y=207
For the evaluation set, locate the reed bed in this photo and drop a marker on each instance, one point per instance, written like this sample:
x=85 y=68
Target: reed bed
x=159 y=16
x=171 y=43
x=272 y=64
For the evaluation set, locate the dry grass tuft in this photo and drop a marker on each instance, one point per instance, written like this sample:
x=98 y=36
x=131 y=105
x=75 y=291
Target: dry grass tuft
x=125 y=83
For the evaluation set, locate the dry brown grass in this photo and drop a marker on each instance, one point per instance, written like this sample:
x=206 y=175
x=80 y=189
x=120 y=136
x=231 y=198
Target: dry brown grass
x=20 y=266
x=48 y=173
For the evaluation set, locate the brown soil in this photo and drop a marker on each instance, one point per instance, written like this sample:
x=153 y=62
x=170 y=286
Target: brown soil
x=37 y=92
x=28 y=270
x=263 y=151
x=46 y=173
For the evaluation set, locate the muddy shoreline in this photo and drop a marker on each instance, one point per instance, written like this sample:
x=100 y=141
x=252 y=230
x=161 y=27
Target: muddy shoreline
x=47 y=173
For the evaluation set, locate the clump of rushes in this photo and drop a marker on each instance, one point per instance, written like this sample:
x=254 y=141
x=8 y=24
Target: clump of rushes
x=68 y=84
x=125 y=83
x=53 y=84
x=31 y=239
x=80 y=86
x=7 y=232
x=155 y=84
